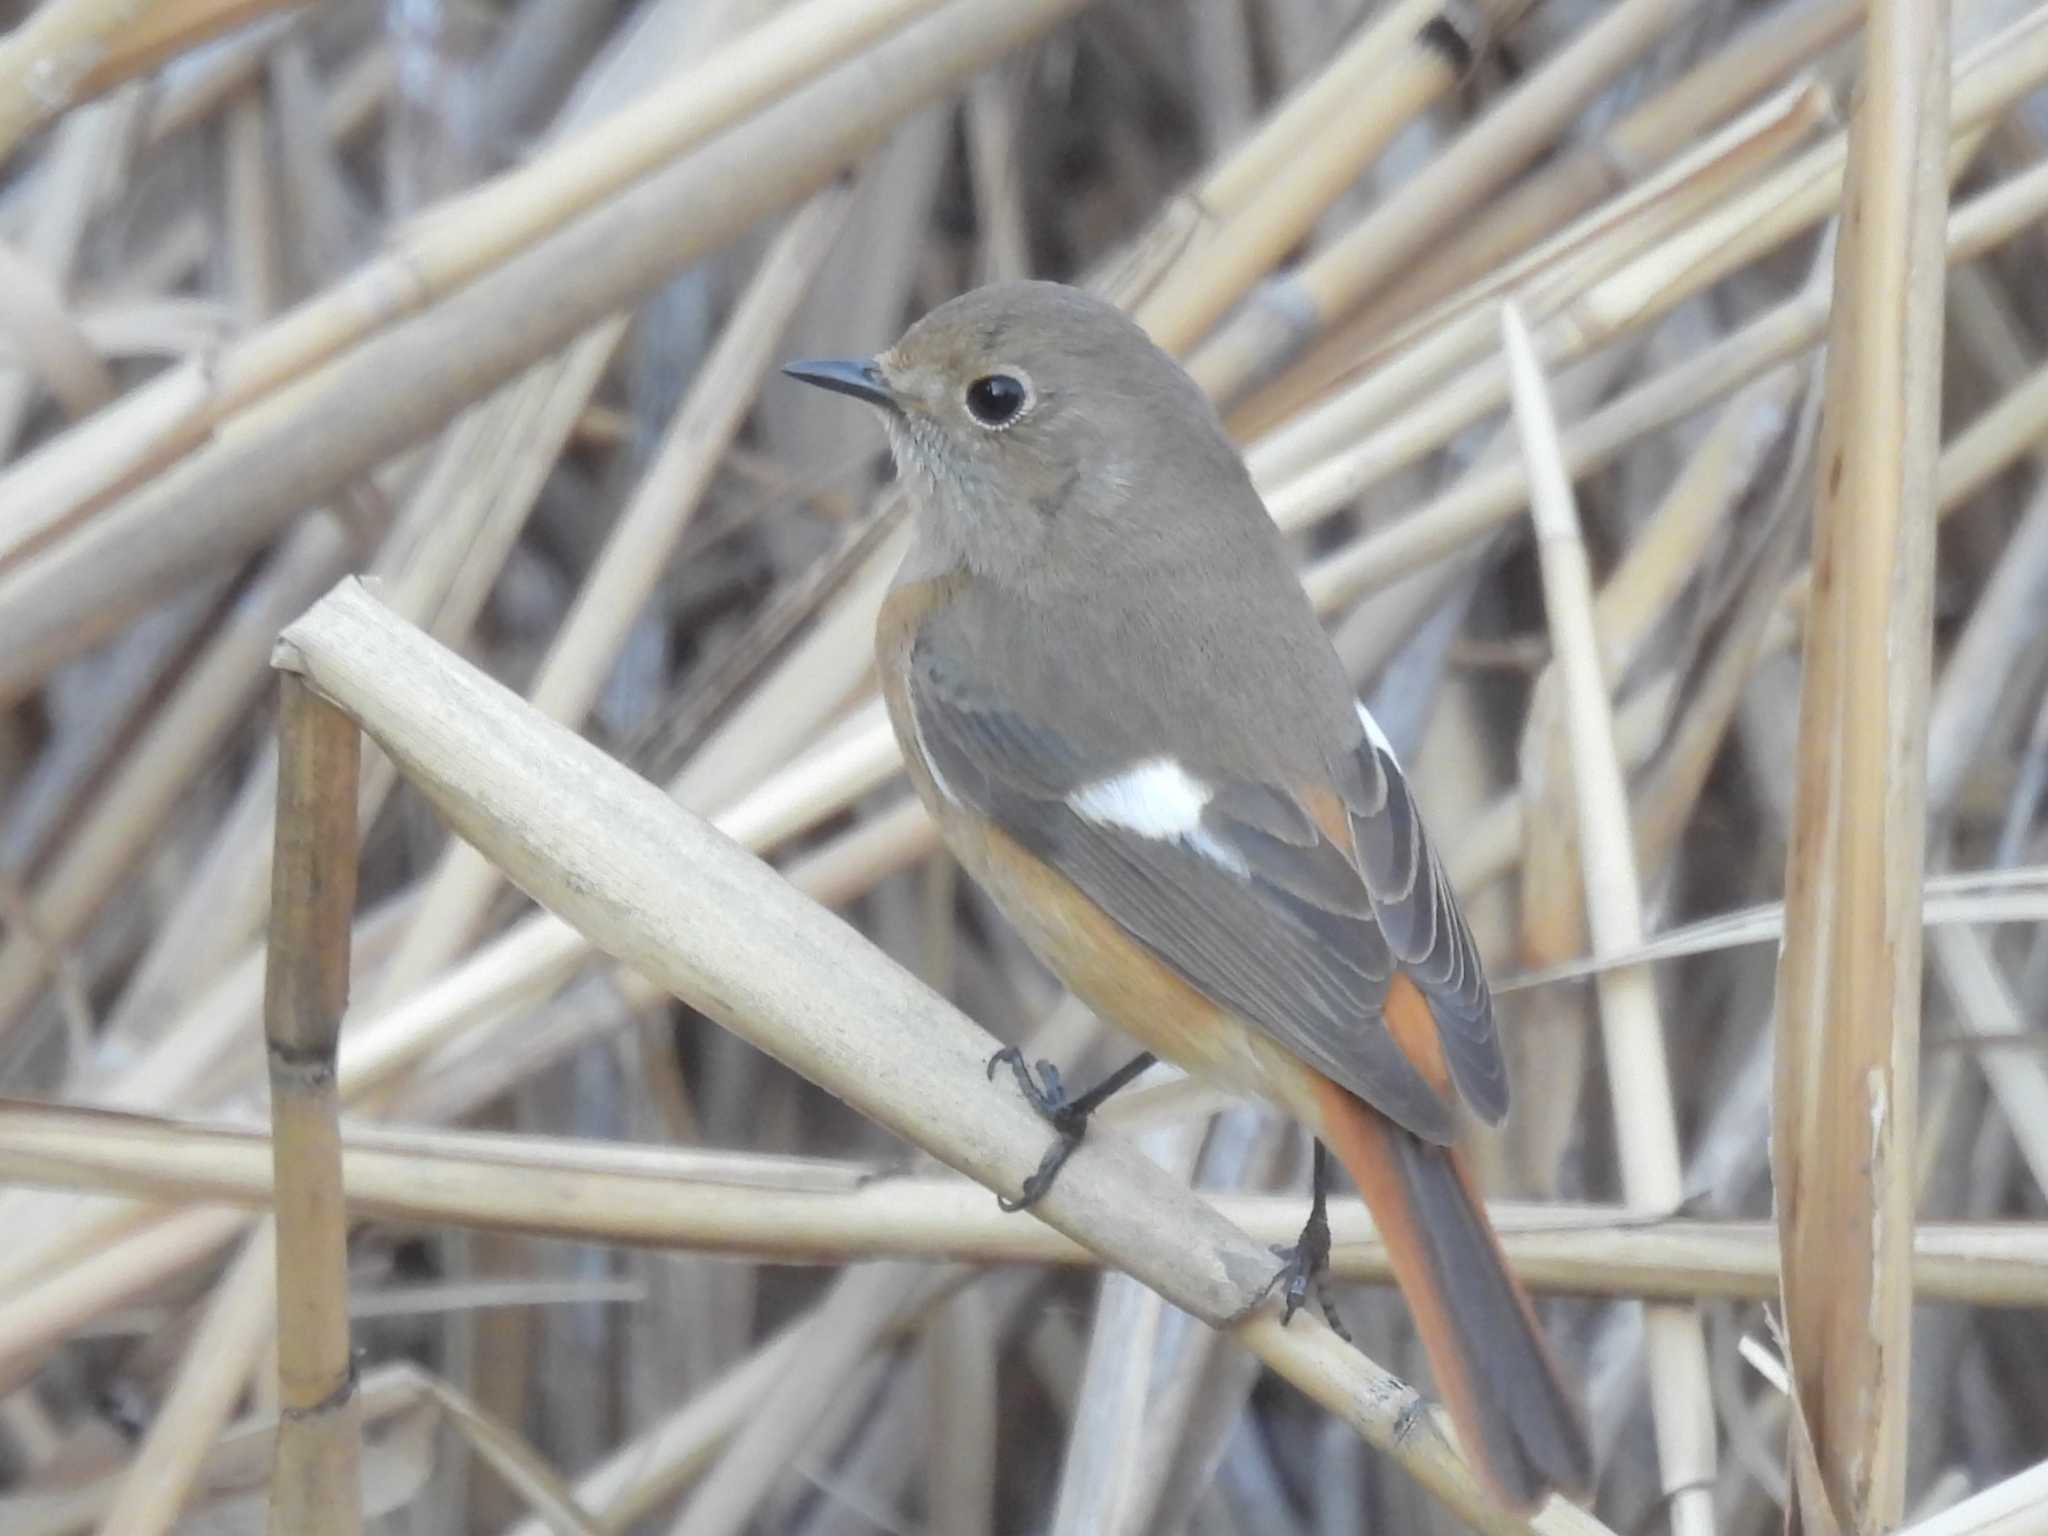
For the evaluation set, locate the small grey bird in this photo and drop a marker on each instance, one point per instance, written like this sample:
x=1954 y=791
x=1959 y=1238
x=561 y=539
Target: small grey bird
x=1116 y=701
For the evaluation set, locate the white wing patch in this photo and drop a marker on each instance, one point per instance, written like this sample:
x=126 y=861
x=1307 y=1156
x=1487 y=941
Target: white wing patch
x=1376 y=736
x=1158 y=799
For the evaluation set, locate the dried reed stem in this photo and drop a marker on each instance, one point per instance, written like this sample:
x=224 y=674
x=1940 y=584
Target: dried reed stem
x=2017 y=1506
x=1263 y=218
x=1849 y=971
x=165 y=29
x=1637 y=147
x=636 y=553
x=1489 y=497
x=445 y=250
x=1639 y=1077
x=224 y=1349
x=118 y=823
x=43 y=61
x=1426 y=206
x=800 y=1210
x=1688 y=109
x=316 y=1486
x=405 y=380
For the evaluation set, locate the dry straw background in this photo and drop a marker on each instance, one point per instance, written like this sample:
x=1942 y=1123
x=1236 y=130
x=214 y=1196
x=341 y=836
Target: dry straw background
x=1610 y=367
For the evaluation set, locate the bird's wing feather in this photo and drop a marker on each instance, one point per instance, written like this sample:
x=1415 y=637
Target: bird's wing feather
x=1420 y=919
x=1237 y=887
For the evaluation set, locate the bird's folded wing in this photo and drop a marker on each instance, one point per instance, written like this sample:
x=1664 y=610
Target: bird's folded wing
x=1420 y=920
x=1233 y=885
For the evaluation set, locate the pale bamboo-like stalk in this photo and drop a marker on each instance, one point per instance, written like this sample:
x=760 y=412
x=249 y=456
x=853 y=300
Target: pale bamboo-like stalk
x=2017 y=1506
x=1324 y=458
x=1779 y=42
x=165 y=29
x=1849 y=972
x=1661 y=562
x=117 y=824
x=49 y=340
x=1431 y=347
x=603 y=847
x=862 y=1307
x=633 y=559
x=1097 y=1473
x=316 y=1486
x=960 y=1357
x=521 y=966
x=1485 y=500
x=1427 y=205
x=1190 y=221
x=804 y=1210
x=1631 y=1026
x=52 y=238
x=233 y=1328
x=445 y=250
x=1274 y=200
x=1723 y=83
x=398 y=385
x=44 y=60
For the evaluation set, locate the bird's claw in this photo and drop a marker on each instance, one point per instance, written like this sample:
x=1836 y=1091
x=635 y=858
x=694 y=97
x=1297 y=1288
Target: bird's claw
x=1303 y=1267
x=1294 y=1277
x=1046 y=1094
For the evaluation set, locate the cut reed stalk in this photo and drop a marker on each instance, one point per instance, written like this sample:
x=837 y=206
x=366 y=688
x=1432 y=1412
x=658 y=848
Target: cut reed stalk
x=316 y=1484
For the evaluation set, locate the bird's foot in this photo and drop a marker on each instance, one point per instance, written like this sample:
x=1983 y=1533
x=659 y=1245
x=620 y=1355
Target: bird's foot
x=1045 y=1093
x=1304 y=1268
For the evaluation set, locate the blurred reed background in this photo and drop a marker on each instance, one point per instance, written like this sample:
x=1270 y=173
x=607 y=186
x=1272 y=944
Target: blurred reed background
x=484 y=299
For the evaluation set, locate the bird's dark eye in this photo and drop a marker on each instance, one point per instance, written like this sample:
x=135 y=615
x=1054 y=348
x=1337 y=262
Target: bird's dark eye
x=997 y=399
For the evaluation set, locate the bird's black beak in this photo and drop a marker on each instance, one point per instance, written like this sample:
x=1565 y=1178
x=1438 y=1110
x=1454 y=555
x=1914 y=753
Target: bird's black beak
x=855 y=376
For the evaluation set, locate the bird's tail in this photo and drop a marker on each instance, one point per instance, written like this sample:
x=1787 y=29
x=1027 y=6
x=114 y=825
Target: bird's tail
x=1519 y=1423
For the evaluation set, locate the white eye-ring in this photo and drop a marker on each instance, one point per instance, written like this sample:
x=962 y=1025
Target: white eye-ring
x=999 y=399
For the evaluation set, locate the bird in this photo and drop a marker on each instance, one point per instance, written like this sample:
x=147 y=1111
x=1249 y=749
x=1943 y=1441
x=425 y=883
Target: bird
x=1126 y=719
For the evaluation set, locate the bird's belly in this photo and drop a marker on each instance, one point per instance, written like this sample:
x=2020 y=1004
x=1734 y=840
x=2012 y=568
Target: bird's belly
x=1122 y=981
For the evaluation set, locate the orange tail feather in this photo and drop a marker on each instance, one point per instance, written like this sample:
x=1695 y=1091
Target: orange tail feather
x=1519 y=1423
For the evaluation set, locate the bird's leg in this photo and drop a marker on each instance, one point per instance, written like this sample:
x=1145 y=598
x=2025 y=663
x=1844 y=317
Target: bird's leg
x=1309 y=1258
x=1046 y=1094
